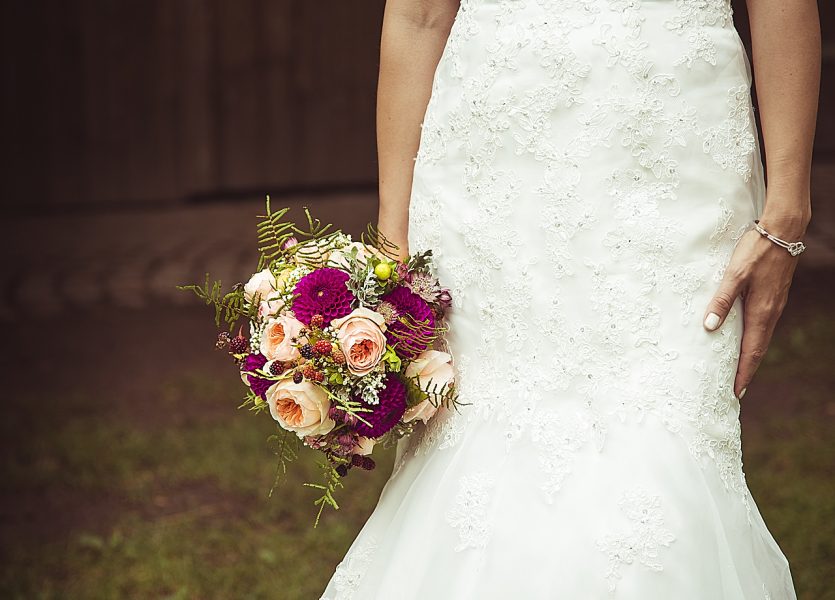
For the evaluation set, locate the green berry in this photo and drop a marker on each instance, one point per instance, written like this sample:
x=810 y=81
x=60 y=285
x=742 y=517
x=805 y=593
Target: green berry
x=382 y=271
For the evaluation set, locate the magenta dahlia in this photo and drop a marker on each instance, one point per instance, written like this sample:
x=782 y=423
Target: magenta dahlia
x=323 y=292
x=385 y=414
x=412 y=337
x=258 y=385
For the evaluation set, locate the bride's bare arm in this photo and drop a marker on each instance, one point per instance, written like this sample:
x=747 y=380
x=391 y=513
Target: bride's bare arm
x=413 y=37
x=786 y=47
x=786 y=42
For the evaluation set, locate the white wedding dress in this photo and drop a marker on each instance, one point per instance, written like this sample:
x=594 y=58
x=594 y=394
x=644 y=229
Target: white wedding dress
x=585 y=169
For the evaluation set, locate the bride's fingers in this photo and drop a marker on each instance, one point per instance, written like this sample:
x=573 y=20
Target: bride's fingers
x=759 y=321
x=722 y=301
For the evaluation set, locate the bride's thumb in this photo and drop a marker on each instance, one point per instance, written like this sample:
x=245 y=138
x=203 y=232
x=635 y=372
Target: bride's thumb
x=722 y=301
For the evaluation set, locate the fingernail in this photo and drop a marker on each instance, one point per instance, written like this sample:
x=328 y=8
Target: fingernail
x=742 y=393
x=712 y=322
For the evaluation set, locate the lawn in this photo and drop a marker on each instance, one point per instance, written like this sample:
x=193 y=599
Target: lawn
x=142 y=481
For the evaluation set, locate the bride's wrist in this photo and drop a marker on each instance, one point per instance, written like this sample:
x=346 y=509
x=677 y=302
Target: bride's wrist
x=787 y=226
x=786 y=214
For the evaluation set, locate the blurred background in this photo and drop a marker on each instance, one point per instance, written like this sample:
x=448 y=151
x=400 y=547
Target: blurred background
x=140 y=138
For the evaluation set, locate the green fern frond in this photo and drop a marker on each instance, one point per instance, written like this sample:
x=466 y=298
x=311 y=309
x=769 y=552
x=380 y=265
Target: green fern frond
x=229 y=307
x=417 y=332
x=272 y=232
x=332 y=481
x=285 y=446
x=374 y=237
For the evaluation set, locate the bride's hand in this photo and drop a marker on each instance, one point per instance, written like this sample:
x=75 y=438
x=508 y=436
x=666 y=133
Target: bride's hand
x=761 y=273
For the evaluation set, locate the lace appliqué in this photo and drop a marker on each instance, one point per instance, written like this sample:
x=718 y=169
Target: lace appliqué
x=731 y=144
x=469 y=513
x=444 y=430
x=716 y=412
x=427 y=211
x=641 y=541
x=559 y=437
x=695 y=20
x=464 y=28
x=350 y=572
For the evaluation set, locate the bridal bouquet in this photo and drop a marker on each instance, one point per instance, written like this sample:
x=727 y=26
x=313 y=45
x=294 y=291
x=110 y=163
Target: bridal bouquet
x=338 y=343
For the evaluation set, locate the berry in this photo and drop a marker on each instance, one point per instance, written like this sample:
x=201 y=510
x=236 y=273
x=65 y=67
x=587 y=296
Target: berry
x=363 y=462
x=297 y=377
x=323 y=347
x=277 y=367
x=238 y=344
x=306 y=351
x=316 y=321
x=338 y=356
x=342 y=470
x=382 y=271
x=312 y=373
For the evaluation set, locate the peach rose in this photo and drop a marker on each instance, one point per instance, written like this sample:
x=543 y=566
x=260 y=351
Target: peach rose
x=275 y=339
x=361 y=338
x=365 y=446
x=300 y=407
x=433 y=370
x=260 y=286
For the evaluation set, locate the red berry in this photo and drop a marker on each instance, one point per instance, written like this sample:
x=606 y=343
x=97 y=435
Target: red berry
x=313 y=374
x=316 y=321
x=297 y=377
x=338 y=356
x=323 y=347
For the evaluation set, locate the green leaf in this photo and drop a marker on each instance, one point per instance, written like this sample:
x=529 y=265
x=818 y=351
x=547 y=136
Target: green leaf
x=390 y=357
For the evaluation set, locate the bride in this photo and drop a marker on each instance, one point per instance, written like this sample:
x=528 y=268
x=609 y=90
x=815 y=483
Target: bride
x=588 y=176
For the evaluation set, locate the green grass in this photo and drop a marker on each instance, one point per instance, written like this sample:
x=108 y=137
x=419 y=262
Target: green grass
x=178 y=510
x=790 y=453
x=171 y=502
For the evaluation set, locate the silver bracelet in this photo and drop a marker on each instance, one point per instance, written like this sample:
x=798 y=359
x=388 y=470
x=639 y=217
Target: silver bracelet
x=794 y=248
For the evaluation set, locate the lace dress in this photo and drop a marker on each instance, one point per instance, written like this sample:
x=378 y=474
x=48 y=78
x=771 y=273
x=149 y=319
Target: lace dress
x=585 y=169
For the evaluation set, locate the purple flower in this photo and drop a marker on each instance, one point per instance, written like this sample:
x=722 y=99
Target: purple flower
x=412 y=337
x=323 y=292
x=259 y=385
x=387 y=413
x=403 y=272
